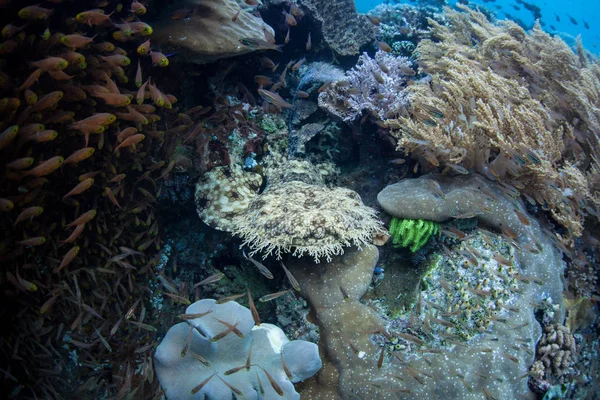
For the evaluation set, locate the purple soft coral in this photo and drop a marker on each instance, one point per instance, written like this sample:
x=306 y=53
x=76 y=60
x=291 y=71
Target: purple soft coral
x=376 y=85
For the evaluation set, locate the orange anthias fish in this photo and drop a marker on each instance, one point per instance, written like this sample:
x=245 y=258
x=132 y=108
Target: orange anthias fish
x=83 y=218
x=47 y=101
x=97 y=119
x=35 y=241
x=274 y=99
x=76 y=41
x=130 y=141
x=159 y=59
x=114 y=99
x=33 y=77
x=144 y=48
x=46 y=167
x=138 y=8
x=79 y=155
x=51 y=63
x=384 y=46
x=80 y=187
x=116 y=60
x=20 y=163
x=28 y=213
x=289 y=19
x=68 y=258
x=35 y=12
x=92 y=17
x=75 y=234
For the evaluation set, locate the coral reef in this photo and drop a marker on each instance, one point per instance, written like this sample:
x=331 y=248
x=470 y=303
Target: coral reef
x=463 y=353
x=220 y=346
x=529 y=134
x=413 y=233
x=344 y=31
x=211 y=32
x=404 y=25
x=224 y=193
x=375 y=85
x=306 y=219
x=441 y=198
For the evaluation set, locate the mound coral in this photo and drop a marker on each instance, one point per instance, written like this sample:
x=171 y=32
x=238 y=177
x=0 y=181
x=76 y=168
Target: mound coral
x=334 y=292
x=375 y=85
x=529 y=133
x=468 y=340
x=306 y=219
x=411 y=232
x=244 y=361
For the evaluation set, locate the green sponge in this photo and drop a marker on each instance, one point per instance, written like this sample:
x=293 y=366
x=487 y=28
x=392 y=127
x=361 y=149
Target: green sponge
x=412 y=232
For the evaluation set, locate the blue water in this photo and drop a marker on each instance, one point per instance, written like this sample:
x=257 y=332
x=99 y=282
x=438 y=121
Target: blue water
x=580 y=10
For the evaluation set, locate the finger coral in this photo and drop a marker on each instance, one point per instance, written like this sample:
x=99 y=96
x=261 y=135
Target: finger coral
x=526 y=133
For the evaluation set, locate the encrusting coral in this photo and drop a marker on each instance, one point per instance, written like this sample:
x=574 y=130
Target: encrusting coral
x=345 y=323
x=231 y=360
x=411 y=232
x=480 y=303
x=532 y=134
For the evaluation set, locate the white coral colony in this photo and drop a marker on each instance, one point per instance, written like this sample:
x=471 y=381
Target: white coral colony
x=203 y=358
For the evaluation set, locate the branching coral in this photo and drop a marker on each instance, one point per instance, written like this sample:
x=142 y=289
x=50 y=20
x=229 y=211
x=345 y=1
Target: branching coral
x=412 y=232
x=374 y=85
x=532 y=133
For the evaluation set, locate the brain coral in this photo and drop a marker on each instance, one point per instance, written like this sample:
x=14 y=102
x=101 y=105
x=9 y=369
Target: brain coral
x=307 y=218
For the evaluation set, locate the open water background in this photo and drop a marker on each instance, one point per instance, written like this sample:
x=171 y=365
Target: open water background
x=552 y=11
